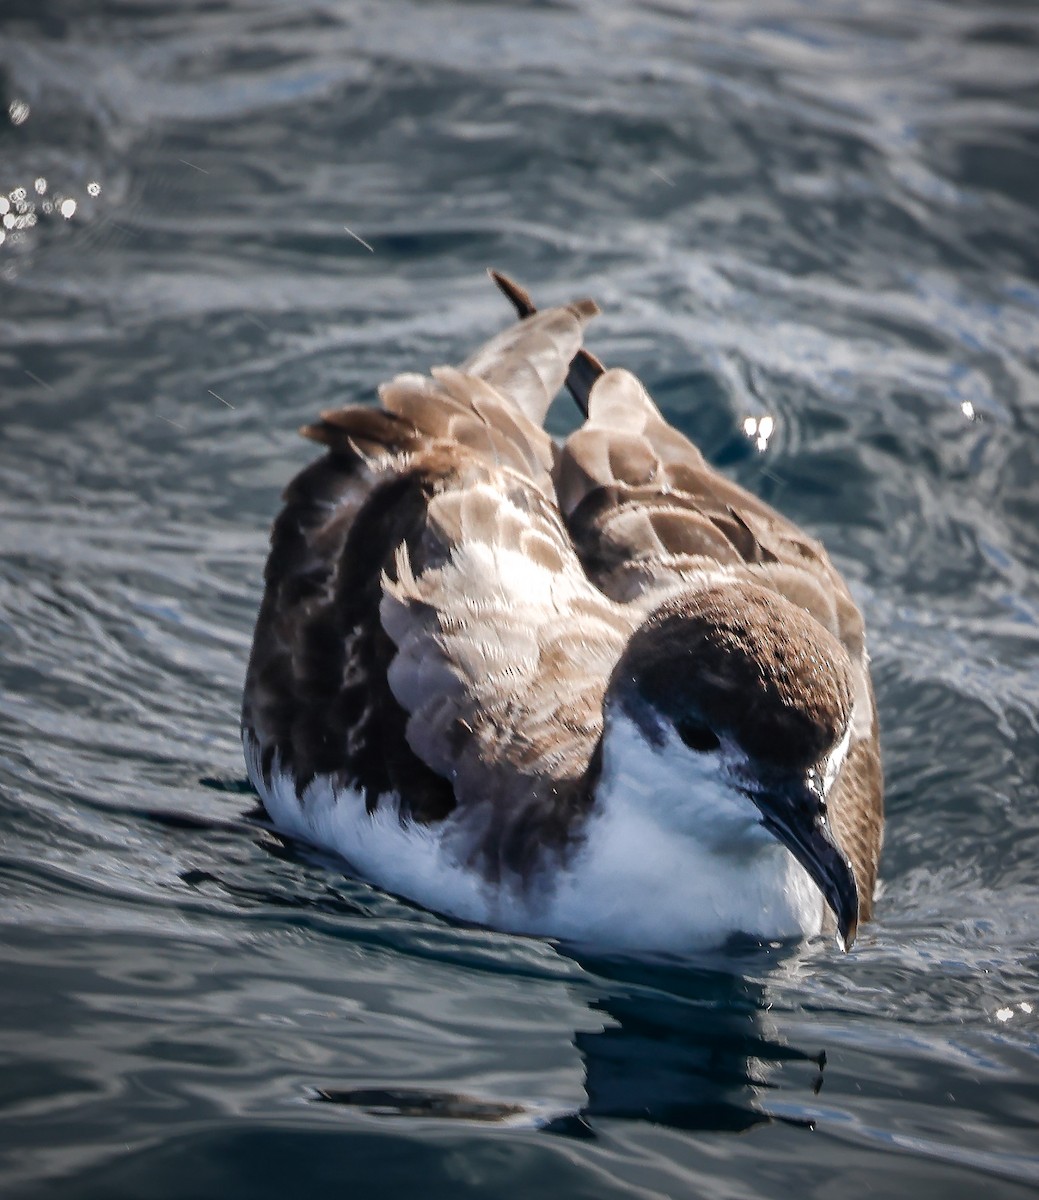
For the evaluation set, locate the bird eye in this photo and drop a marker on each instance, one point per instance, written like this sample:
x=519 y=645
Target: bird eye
x=697 y=736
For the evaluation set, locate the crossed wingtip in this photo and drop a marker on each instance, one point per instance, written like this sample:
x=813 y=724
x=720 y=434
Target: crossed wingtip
x=520 y=300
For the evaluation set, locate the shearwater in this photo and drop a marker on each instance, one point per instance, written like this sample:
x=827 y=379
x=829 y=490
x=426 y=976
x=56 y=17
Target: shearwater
x=590 y=690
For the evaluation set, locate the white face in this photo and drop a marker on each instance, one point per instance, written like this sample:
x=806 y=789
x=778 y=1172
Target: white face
x=675 y=850
x=690 y=791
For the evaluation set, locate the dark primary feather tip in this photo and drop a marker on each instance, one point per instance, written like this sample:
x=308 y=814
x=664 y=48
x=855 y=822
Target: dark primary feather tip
x=525 y=307
x=584 y=371
x=585 y=368
x=517 y=296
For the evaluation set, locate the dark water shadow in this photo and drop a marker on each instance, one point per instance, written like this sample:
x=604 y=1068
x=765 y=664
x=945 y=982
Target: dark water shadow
x=419 y=1102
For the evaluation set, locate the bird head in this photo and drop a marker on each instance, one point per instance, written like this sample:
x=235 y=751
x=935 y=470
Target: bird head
x=748 y=699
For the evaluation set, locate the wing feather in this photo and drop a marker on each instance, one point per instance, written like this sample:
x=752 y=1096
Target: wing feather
x=647 y=512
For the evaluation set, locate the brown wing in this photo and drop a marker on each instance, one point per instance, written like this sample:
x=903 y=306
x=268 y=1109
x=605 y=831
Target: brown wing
x=504 y=653
x=316 y=700
x=425 y=621
x=645 y=507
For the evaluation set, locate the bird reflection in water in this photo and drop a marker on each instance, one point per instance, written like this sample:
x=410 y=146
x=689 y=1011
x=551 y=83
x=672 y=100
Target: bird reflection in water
x=686 y=1048
x=690 y=1048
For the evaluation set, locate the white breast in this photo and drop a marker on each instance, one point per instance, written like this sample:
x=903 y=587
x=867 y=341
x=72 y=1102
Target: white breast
x=409 y=860
x=674 y=859
x=642 y=881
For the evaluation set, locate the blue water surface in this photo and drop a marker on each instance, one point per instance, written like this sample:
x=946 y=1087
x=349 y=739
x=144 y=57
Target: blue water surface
x=222 y=216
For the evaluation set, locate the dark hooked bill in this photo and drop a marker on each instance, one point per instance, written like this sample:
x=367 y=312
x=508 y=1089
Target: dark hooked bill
x=796 y=817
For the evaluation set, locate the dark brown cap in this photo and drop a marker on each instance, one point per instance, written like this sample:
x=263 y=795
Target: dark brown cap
x=747 y=663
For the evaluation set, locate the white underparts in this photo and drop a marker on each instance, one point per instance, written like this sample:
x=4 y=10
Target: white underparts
x=671 y=861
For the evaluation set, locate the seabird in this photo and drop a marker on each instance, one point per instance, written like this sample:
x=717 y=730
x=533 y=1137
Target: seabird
x=590 y=690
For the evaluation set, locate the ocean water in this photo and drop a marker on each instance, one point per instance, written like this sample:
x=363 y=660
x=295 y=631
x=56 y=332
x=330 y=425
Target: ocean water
x=222 y=216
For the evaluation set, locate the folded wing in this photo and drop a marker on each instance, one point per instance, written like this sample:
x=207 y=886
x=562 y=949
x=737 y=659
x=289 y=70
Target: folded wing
x=427 y=629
